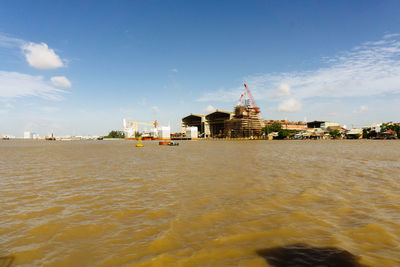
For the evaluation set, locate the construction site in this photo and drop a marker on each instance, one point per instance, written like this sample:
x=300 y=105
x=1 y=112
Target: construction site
x=243 y=122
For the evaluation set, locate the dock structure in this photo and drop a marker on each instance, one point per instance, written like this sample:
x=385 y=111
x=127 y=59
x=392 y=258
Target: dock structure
x=246 y=122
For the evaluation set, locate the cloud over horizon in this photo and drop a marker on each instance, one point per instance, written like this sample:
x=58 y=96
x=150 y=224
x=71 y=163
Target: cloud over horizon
x=361 y=109
x=371 y=69
x=14 y=85
x=283 y=90
x=209 y=109
x=290 y=105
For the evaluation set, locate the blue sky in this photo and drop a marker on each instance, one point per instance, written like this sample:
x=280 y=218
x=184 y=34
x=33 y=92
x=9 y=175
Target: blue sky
x=79 y=67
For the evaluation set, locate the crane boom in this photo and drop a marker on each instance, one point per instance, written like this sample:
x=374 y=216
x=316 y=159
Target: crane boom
x=253 y=102
x=240 y=100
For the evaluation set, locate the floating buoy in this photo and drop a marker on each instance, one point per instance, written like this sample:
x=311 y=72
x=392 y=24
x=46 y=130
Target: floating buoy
x=139 y=143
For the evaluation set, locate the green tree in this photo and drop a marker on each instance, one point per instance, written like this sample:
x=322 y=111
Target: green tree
x=274 y=127
x=391 y=126
x=116 y=134
x=335 y=134
x=283 y=134
x=365 y=133
x=368 y=133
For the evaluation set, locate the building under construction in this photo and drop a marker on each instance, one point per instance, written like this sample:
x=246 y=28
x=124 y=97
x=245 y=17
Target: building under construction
x=245 y=121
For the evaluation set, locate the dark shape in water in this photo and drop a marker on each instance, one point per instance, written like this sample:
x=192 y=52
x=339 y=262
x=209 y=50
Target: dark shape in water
x=302 y=255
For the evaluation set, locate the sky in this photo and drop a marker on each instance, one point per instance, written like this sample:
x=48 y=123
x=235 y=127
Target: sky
x=80 y=67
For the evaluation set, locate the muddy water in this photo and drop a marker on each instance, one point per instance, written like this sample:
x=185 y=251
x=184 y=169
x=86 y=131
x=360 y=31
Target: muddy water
x=212 y=203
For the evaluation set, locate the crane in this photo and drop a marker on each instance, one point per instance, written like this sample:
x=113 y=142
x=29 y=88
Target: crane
x=132 y=127
x=250 y=95
x=240 y=99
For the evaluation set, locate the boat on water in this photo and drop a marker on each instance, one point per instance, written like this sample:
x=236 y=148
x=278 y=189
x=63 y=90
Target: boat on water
x=173 y=144
x=168 y=143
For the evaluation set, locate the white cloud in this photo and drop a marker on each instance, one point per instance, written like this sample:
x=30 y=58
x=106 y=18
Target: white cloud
x=14 y=84
x=174 y=70
x=362 y=109
x=290 y=105
x=41 y=56
x=370 y=69
x=283 y=90
x=391 y=35
x=60 y=81
x=209 y=109
x=6 y=41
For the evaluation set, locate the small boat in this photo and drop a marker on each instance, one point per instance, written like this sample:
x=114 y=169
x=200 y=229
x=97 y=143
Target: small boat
x=168 y=143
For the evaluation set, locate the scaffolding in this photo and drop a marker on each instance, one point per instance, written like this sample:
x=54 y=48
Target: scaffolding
x=246 y=122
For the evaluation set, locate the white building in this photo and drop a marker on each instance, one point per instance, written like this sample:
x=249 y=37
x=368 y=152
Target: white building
x=192 y=132
x=164 y=132
x=28 y=135
x=327 y=124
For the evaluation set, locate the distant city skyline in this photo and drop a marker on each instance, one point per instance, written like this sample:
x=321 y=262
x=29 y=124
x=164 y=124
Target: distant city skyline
x=80 y=67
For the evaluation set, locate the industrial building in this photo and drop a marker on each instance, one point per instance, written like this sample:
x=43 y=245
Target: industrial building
x=216 y=121
x=196 y=120
x=289 y=125
x=209 y=125
x=321 y=124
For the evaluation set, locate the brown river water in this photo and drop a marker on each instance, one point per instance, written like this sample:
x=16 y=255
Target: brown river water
x=202 y=203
